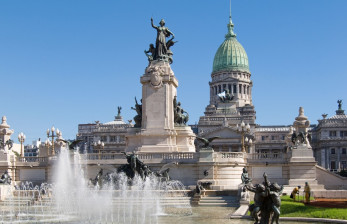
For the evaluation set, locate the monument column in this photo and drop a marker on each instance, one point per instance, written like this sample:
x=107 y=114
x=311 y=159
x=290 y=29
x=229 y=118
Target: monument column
x=161 y=123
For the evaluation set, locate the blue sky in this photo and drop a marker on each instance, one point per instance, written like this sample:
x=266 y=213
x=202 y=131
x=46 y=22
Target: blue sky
x=66 y=62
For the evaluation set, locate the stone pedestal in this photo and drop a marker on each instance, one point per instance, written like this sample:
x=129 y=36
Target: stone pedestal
x=302 y=166
x=185 y=139
x=158 y=132
x=302 y=153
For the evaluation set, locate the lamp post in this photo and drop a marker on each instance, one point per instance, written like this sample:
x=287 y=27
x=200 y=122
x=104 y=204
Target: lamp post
x=248 y=144
x=243 y=129
x=99 y=145
x=52 y=134
x=21 y=139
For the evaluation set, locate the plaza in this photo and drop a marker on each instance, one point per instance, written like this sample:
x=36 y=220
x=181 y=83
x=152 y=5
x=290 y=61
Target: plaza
x=213 y=152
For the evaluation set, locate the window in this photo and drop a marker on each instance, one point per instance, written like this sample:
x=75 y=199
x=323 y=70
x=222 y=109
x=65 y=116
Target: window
x=332 y=151
x=263 y=138
x=332 y=133
x=240 y=88
x=343 y=150
x=283 y=137
x=103 y=138
x=272 y=137
x=234 y=90
x=112 y=138
x=343 y=133
x=332 y=165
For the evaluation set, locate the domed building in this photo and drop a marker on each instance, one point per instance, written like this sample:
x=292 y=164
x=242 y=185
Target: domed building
x=230 y=97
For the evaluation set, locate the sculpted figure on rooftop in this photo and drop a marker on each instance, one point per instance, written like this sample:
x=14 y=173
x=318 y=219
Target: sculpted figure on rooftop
x=340 y=104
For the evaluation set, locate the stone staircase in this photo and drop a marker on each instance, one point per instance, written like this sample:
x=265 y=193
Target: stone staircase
x=215 y=201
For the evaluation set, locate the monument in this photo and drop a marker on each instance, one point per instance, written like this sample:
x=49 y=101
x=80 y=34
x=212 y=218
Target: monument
x=160 y=123
x=302 y=163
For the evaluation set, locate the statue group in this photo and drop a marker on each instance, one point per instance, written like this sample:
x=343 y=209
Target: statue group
x=8 y=143
x=133 y=167
x=226 y=97
x=301 y=138
x=161 y=51
x=267 y=199
x=181 y=116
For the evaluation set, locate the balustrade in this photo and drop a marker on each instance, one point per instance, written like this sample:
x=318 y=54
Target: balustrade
x=32 y=159
x=266 y=156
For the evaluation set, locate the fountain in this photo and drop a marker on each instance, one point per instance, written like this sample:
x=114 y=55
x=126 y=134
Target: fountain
x=72 y=198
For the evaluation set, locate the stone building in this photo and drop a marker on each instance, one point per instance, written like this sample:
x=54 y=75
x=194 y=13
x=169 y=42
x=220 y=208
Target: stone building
x=112 y=134
x=330 y=141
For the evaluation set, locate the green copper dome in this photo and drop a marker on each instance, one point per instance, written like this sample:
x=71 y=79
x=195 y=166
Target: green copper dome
x=230 y=55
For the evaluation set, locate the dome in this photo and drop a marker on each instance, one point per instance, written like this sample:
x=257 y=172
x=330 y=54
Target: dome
x=230 y=55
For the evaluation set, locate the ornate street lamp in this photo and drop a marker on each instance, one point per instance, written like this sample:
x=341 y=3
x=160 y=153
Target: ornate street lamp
x=243 y=129
x=52 y=134
x=248 y=144
x=99 y=145
x=21 y=139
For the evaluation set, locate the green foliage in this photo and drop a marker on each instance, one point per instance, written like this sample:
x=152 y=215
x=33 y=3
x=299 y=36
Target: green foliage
x=290 y=208
x=343 y=173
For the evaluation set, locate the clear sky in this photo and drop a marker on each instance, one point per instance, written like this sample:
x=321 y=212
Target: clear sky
x=66 y=62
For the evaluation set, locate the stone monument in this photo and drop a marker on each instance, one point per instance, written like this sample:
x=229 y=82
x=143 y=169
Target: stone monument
x=302 y=163
x=157 y=130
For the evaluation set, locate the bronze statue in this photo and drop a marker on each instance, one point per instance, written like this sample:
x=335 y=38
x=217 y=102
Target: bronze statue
x=71 y=144
x=267 y=201
x=138 y=117
x=275 y=191
x=294 y=137
x=244 y=176
x=206 y=141
x=181 y=117
x=161 y=51
x=151 y=50
x=227 y=97
x=340 y=104
x=119 y=110
x=259 y=196
x=5 y=178
x=8 y=143
x=169 y=44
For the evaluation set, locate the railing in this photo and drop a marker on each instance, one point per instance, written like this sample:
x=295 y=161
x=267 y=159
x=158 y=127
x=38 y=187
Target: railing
x=155 y=157
x=102 y=156
x=266 y=157
x=228 y=156
x=32 y=159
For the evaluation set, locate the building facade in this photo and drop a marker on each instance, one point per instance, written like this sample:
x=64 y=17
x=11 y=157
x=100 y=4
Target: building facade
x=231 y=116
x=111 y=134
